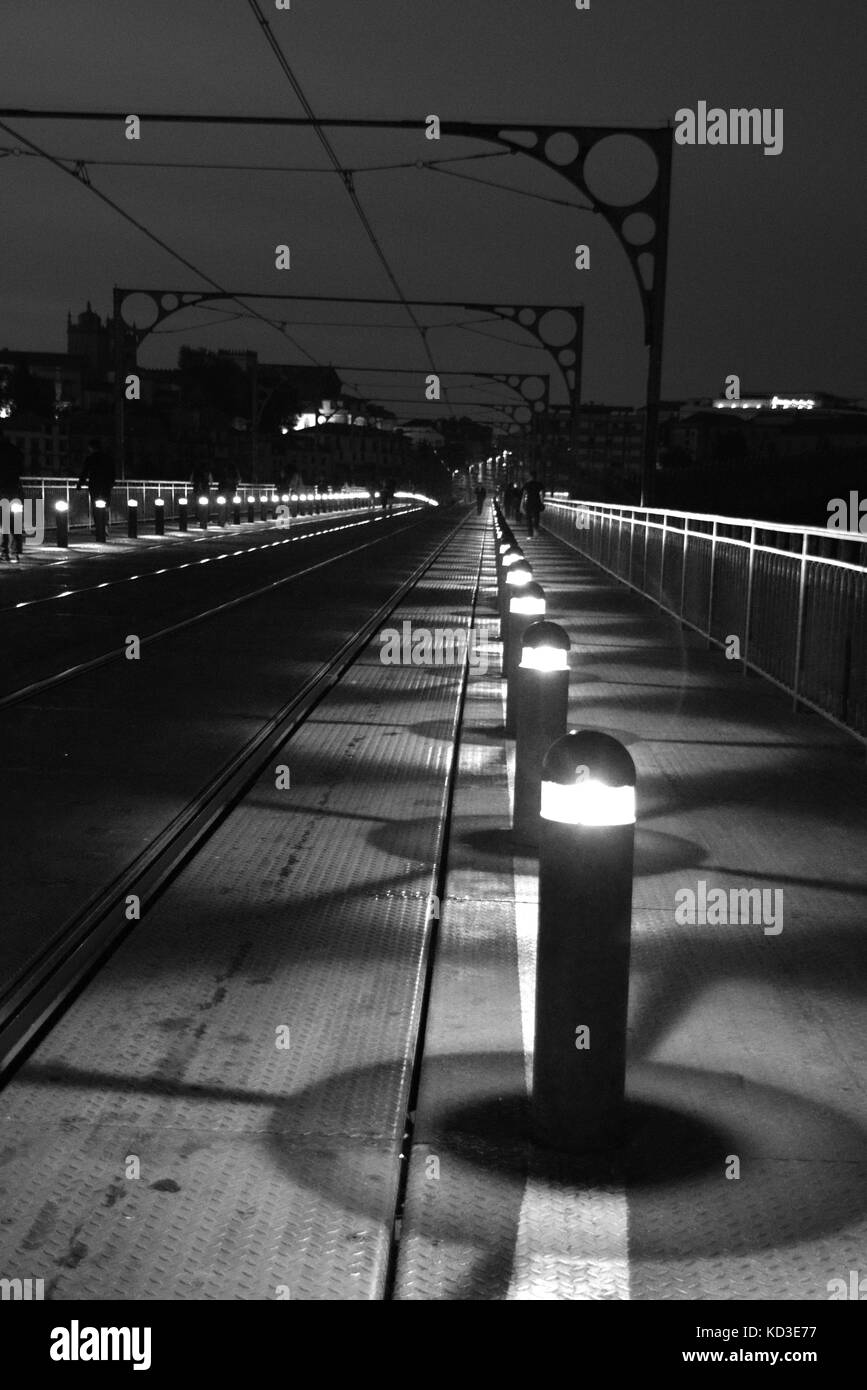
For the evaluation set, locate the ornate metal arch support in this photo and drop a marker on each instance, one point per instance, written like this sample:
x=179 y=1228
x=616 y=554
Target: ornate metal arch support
x=566 y=150
x=562 y=338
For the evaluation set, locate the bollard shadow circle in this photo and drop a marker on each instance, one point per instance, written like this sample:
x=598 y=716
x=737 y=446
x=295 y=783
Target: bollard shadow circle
x=488 y=845
x=801 y=1163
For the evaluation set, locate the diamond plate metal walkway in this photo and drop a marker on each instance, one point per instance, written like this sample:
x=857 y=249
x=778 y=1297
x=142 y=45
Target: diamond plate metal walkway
x=742 y=1044
x=220 y=1114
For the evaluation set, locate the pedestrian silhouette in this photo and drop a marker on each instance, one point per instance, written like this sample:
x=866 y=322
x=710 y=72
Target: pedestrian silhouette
x=97 y=476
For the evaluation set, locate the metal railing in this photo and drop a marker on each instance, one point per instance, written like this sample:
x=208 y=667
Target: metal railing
x=794 y=596
x=51 y=490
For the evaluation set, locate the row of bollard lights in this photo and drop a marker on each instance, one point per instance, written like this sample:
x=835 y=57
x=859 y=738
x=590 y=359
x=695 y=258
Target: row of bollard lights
x=575 y=804
x=299 y=504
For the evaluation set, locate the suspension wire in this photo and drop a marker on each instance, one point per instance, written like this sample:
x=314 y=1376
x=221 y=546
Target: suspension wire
x=345 y=175
x=152 y=236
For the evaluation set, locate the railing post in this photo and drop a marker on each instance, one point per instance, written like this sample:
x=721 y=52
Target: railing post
x=662 y=555
x=748 y=620
x=710 y=585
x=683 y=569
x=799 y=635
x=646 y=544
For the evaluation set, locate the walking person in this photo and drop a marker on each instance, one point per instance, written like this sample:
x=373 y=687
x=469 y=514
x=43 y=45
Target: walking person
x=533 y=505
x=11 y=490
x=97 y=476
x=481 y=494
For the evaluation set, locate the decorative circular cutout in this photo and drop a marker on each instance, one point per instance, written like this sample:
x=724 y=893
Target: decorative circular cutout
x=566 y=357
x=621 y=169
x=139 y=311
x=557 y=327
x=562 y=148
x=638 y=228
x=532 y=388
x=527 y=317
x=169 y=302
x=522 y=414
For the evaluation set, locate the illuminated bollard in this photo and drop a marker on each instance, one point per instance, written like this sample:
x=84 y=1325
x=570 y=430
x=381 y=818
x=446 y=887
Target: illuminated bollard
x=236 y=510
x=516 y=573
x=263 y=506
x=183 y=509
x=293 y=504
x=222 y=510
x=61 y=518
x=541 y=716
x=525 y=604
x=251 y=507
x=204 y=510
x=159 y=516
x=99 y=518
x=501 y=550
x=131 y=518
x=586 y=843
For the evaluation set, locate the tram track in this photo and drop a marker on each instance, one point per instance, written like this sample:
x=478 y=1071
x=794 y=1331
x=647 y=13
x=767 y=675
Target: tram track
x=39 y=994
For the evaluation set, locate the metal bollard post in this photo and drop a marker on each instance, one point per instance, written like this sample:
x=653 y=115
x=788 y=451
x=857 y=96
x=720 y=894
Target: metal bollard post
x=131 y=518
x=251 y=508
x=159 y=516
x=541 y=716
x=99 y=518
x=587 y=835
x=183 y=507
x=516 y=573
x=236 y=510
x=61 y=516
x=222 y=510
x=263 y=506
x=524 y=605
x=204 y=510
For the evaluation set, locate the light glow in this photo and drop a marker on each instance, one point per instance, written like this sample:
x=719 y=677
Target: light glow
x=528 y=604
x=543 y=658
x=589 y=802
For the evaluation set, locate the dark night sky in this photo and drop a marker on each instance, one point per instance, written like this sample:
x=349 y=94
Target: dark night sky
x=766 y=254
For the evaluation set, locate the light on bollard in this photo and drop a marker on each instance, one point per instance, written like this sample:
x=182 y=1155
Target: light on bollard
x=514 y=575
x=132 y=518
x=540 y=719
x=159 y=516
x=251 y=504
x=222 y=511
x=586 y=848
x=204 y=508
x=183 y=505
x=263 y=506
x=61 y=518
x=525 y=604
x=236 y=509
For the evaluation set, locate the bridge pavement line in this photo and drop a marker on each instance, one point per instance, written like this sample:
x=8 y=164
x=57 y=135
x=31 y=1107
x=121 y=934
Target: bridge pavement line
x=572 y=1273
x=72 y=671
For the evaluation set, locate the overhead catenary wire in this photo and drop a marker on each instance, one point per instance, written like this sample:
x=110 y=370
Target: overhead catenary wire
x=152 y=236
x=344 y=174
